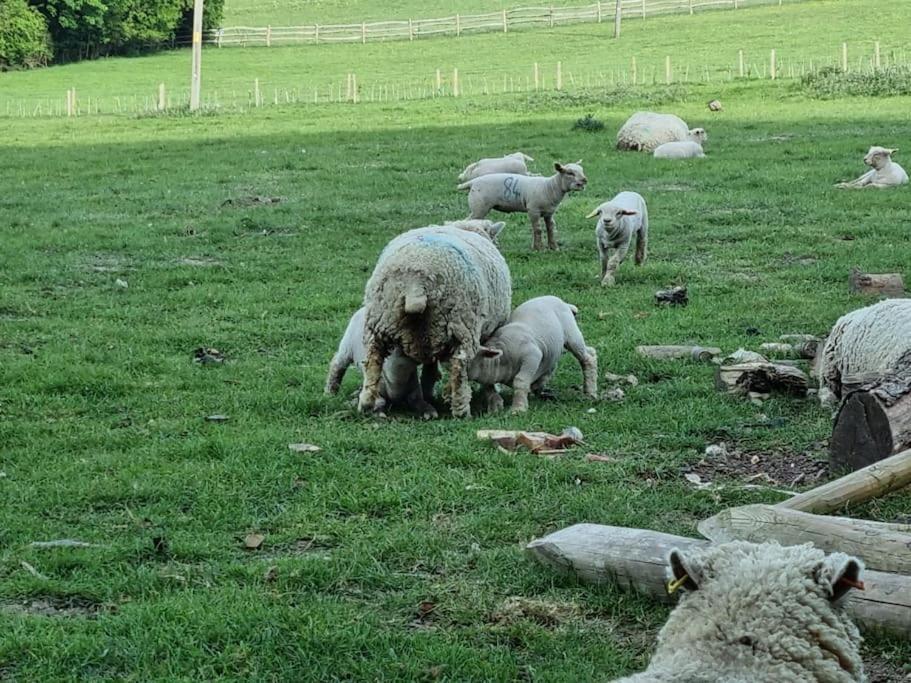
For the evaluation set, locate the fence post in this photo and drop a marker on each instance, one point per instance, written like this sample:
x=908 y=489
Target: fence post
x=505 y=24
x=772 y=64
x=354 y=87
x=410 y=30
x=162 y=100
x=439 y=81
x=618 y=14
x=456 y=91
x=537 y=77
x=551 y=13
x=844 y=56
x=735 y=4
x=667 y=69
x=458 y=25
x=256 y=92
x=691 y=6
x=218 y=34
x=635 y=75
x=876 y=54
x=348 y=89
x=268 y=36
x=316 y=34
x=599 y=11
x=70 y=101
x=363 y=33
x=643 y=9
x=740 y=62
x=559 y=75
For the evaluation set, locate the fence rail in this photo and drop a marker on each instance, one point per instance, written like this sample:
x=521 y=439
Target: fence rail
x=503 y=21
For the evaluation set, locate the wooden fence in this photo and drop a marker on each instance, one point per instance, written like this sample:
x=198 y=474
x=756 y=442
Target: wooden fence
x=503 y=21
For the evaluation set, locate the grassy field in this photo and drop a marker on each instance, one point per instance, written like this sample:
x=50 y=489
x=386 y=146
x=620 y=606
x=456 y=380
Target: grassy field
x=129 y=242
x=701 y=47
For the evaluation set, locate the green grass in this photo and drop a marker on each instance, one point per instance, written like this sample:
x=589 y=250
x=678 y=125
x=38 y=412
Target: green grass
x=701 y=47
x=102 y=409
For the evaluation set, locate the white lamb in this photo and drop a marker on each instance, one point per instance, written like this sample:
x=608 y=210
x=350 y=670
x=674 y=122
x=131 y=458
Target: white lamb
x=619 y=219
x=686 y=149
x=538 y=197
x=758 y=613
x=436 y=293
x=399 y=383
x=884 y=173
x=525 y=351
x=646 y=130
x=865 y=345
x=511 y=163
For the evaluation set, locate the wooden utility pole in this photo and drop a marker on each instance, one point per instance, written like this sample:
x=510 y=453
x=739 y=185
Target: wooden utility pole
x=195 y=82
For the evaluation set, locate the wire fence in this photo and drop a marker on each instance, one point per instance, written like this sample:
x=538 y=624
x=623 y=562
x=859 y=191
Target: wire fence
x=452 y=83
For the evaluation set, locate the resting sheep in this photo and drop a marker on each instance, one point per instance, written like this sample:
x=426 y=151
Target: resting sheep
x=884 y=173
x=865 y=345
x=619 y=220
x=436 y=293
x=525 y=351
x=758 y=613
x=645 y=130
x=511 y=163
x=538 y=197
x=399 y=382
x=686 y=149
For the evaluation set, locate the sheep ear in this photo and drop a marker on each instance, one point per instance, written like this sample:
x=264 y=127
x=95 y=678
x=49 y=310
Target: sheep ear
x=628 y=212
x=596 y=212
x=578 y=162
x=496 y=228
x=488 y=352
x=527 y=158
x=893 y=151
x=683 y=572
x=838 y=574
x=559 y=167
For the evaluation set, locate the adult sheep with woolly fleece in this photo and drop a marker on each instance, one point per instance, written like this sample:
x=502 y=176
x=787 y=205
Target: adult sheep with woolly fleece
x=864 y=346
x=399 y=381
x=758 y=613
x=537 y=196
x=510 y=163
x=646 y=130
x=619 y=220
x=525 y=351
x=685 y=149
x=883 y=171
x=436 y=293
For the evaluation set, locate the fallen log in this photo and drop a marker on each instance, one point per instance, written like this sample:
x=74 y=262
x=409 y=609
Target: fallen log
x=873 y=423
x=676 y=352
x=872 y=481
x=635 y=559
x=761 y=378
x=883 y=284
x=881 y=546
x=800 y=349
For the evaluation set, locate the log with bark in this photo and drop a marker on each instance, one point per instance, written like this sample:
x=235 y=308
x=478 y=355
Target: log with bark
x=676 y=352
x=761 y=378
x=883 y=284
x=873 y=422
x=635 y=559
x=886 y=547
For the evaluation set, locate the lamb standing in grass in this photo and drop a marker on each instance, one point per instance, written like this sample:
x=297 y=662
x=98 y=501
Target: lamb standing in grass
x=511 y=163
x=646 y=130
x=864 y=346
x=758 y=613
x=435 y=293
x=687 y=149
x=884 y=173
x=399 y=383
x=619 y=220
x=525 y=351
x=538 y=197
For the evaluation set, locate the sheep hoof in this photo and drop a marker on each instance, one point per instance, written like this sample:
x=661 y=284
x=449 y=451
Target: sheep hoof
x=608 y=281
x=546 y=394
x=495 y=403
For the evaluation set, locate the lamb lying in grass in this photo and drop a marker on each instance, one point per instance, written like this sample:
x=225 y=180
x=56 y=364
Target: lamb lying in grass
x=646 y=130
x=758 y=613
x=511 y=163
x=399 y=382
x=687 y=149
x=538 y=197
x=435 y=293
x=884 y=173
x=525 y=351
x=619 y=220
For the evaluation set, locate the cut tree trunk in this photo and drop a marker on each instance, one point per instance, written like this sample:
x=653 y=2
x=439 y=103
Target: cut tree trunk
x=636 y=559
x=885 y=284
x=761 y=378
x=872 y=423
x=675 y=352
x=857 y=487
x=880 y=546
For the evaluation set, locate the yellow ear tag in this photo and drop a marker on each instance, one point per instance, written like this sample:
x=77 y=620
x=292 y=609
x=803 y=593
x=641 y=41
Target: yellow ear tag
x=674 y=586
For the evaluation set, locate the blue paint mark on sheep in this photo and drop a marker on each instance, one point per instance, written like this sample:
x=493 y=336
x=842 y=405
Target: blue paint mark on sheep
x=511 y=189
x=446 y=242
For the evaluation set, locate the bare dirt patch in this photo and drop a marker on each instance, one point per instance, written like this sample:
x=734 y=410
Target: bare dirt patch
x=780 y=467
x=53 y=606
x=882 y=670
x=549 y=614
x=199 y=262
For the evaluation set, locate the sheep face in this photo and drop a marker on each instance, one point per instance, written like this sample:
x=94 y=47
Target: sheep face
x=698 y=135
x=572 y=177
x=878 y=157
x=611 y=216
x=765 y=606
x=481 y=226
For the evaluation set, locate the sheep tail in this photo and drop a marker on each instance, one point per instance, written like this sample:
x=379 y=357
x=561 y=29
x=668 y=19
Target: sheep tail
x=573 y=309
x=415 y=298
x=464 y=187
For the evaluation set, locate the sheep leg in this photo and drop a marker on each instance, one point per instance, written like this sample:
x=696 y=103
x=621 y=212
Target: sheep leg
x=613 y=263
x=337 y=368
x=535 y=231
x=522 y=382
x=588 y=360
x=551 y=230
x=642 y=241
x=461 y=389
x=493 y=402
x=430 y=375
x=539 y=388
x=373 y=375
